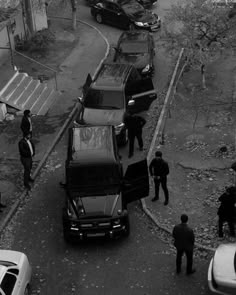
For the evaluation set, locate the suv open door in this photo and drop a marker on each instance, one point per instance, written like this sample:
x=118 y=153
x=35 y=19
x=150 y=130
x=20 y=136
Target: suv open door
x=140 y=94
x=136 y=182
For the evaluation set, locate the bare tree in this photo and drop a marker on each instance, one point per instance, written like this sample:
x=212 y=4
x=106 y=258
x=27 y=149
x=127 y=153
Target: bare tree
x=203 y=29
x=73 y=5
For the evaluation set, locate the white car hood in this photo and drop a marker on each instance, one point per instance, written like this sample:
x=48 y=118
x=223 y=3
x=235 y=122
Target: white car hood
x=223 y=264
x=103 y=117
x=12 y=256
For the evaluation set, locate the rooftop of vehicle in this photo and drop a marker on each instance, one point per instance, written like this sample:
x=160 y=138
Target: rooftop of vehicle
x=134 y=36
x=112 y=75
x=93 y=145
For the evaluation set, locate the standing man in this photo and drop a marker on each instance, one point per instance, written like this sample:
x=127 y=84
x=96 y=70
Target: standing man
x=159 y=169
x=26 y=124
x=184 y=242
x=134 y=124
x=227 y=210
x=27 y=151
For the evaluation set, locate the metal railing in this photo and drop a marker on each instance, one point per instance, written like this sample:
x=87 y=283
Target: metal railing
x=32 y=60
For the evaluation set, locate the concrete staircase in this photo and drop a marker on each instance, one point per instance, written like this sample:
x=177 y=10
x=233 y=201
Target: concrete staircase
x=23 y=92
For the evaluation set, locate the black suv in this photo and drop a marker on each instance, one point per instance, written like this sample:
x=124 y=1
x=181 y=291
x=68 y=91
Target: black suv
x=97 y=192
x=136 y=48
x=125 y=14
x=115 y=89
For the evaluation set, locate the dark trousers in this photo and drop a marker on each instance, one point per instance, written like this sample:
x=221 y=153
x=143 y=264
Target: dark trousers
x=189 y=256
x=27 y=164
x=163 y=182
x=230 y=222
x=132 y=136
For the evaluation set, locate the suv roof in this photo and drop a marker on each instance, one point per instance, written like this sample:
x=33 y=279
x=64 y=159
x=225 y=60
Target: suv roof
x=92 y=145
x=112 y=75
x=135 y=36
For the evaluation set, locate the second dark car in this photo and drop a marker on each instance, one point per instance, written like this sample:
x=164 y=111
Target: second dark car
x=136 y=48
x=125 y=14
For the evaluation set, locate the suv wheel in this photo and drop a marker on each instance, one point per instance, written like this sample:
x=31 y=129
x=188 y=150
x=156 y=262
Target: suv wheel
x=98 y=18
x=127 y=228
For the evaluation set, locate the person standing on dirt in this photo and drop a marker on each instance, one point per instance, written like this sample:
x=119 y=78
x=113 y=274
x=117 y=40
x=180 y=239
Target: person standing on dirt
x=184 y=243
x=27 y=151
x=26 y=124
x=134 y=124
x=159 y=169
x=227 y=210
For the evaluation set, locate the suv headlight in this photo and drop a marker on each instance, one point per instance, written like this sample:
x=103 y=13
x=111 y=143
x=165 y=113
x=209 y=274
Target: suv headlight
x=146 y=69
x=119 y=127
x=140 y=24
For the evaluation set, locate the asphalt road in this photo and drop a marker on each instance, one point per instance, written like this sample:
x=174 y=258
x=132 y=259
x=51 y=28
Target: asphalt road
x=140 y=264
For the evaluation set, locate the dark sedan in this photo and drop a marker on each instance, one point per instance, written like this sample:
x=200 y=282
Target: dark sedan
x=136 y=48
x=125 y=14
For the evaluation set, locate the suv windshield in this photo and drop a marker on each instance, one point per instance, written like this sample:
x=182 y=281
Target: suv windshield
x=102 y=176
x=99 y=99
x=134 y=47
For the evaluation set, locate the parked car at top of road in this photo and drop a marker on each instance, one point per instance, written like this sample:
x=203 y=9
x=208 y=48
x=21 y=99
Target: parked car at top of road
x=147 y=3
x=222 y=270
x=136 y=48
x=15 y=273
x=222 y=3
x=115 y=89
x=97 y=191
x=125 y=14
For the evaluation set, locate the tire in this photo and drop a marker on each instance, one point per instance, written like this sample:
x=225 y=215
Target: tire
x=127 y=228
x=98 y=18
x=27 y=290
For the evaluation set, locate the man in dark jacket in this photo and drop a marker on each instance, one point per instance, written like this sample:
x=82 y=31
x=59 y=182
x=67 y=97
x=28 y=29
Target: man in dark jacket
x=134 y=124
x=226 y=211
x=159 y=169
x=26 y=124
x=27 y=151
x=184 y=242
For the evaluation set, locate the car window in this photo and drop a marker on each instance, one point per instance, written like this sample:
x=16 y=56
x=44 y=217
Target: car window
x=112 y=6
x=8 y=283
x=104 y=99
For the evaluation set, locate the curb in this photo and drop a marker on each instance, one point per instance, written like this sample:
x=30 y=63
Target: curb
x=76 y=108
x=157 y=133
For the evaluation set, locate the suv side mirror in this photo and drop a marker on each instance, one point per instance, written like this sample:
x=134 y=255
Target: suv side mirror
x=131 y=102
x=80 y=99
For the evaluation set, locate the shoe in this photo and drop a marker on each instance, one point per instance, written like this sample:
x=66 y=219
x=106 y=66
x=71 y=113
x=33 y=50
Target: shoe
x=2 y=206
x=130 y=156
x=191 y=272
x=28 y=187
x=155 y=199
x=31 y=179
x=166 y=203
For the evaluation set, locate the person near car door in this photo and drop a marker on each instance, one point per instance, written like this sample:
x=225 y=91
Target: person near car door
x=134 y=125
x=227 y=210
x=159 y=169
x=27 y=151
x=184 y=243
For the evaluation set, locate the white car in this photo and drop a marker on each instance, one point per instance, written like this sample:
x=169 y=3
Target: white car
x=222 y=270
x=15 y=273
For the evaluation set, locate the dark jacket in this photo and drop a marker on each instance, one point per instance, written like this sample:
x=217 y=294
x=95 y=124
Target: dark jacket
x=24 y=148
x=184 y=237
x=227 y=207
x=25 y=125
x=159 y=167
x=134 y=124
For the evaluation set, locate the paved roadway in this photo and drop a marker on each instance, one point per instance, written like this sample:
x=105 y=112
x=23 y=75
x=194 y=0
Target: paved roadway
x=140 y=264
